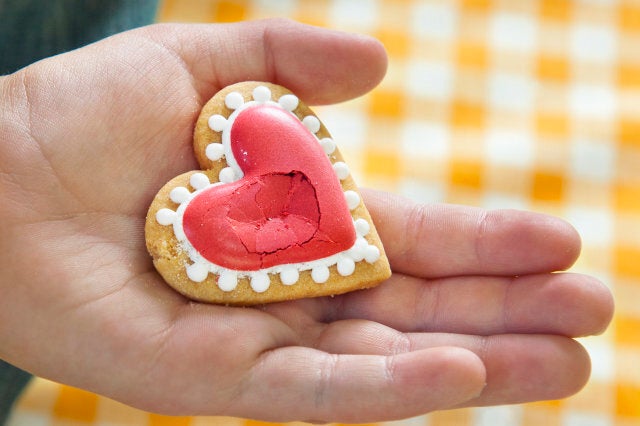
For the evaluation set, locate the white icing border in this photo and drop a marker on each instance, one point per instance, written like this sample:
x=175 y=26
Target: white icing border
x=198 y=271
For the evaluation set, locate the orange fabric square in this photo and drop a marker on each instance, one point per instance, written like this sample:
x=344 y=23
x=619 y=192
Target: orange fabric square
x=556 y=10
x=627 y=329
x=627 y=264
x=461 y=416
x=351 y=424
x=230 y=11
x=249 y=422
x=627 y=398
x=535 y=414
x=75 y=404
x=382 y=163
x=629 y=17
x=627 y=197
x=159 y=420
x=476 y=4
x=548 y=186
x=385 y=103
x=552 y=68
x=312 y=12
x=553 y=404
x=629 y=132
x=466 y=173
x=465 y=114
x=191 y=11
x=629 y=76
x=556 y=125
x=396 y=43
x=472 y=55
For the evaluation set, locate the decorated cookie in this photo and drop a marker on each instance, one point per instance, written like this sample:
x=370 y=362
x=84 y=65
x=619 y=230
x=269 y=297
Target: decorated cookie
x=273 y=215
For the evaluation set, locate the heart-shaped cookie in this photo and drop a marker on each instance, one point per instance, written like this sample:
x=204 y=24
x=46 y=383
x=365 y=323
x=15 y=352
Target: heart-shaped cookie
x=274 y=213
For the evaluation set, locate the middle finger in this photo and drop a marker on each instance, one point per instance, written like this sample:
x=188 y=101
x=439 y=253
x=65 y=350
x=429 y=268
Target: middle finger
x=567 y=304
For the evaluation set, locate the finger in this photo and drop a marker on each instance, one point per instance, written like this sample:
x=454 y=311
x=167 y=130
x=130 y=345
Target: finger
x=319 y=65
x=569 y=304
x=520 y=368
x=358 y=388
x=442 y=240
x=523 y=368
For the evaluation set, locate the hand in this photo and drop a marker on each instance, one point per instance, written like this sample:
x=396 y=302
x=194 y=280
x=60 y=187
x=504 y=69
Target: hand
x=472 y=315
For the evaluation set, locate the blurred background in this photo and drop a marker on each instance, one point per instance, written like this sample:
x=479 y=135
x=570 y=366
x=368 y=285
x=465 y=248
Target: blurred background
x=501 y=104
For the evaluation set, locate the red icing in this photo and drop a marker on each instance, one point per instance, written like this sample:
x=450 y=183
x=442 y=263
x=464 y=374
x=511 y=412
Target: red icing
x=288 y=208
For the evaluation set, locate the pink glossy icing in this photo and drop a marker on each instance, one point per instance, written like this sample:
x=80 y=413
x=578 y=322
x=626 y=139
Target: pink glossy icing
x=288 y=208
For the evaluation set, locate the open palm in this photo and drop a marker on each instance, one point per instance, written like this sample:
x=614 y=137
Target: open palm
x=472 y=315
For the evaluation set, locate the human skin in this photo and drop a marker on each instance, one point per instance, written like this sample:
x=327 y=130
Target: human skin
x=473 y=314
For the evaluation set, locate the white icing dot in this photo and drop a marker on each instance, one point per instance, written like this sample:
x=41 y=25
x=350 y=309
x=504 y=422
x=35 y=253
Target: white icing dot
x=261 y=94
x=320 y=274
x=289 y=276
x=165 y=216
x=328 y=145
x=353 y=199
x=197 y=272
x=199 y=180
x=346 y=266
x=228 y=280
x=260 y=282
x=214 y=151
x=217 y=123
x=227 y=175
x=234 y=100
x=371 y=254
x=312 y=123
x=179 y=194
x=341 y=169
x=288 y=102
x=361 y=243
x=356 y=253
x=362 y=227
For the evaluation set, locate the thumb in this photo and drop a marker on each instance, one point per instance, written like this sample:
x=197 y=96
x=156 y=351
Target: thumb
x=321 y=66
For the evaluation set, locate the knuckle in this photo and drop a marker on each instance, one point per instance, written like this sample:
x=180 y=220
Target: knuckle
x=324 y=383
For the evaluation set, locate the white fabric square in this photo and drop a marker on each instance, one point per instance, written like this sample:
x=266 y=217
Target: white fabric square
x=593 y=43
x=513 y=31
x=511 y=148
x=23 y=417
x=495 y=200
x=601 y=351
x=355 y=15
x=434 y=20
x=593 y=160
x=347 y=127
x=430 y=79
x=276 y=7
x=513 y=92
x=579 y=418
x=595 y=225
x=592 y=101
x=499 y=415
x=422 y=192
x=425 y=139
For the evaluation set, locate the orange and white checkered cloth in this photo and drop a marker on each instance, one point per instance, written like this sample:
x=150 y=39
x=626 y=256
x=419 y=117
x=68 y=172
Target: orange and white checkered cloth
x=497 y=103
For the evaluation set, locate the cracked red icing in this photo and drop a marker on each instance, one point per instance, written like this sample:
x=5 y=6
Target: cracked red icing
x=288 y=208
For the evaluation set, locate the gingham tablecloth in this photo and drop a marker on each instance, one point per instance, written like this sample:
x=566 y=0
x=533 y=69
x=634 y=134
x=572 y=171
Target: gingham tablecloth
x=526 y=104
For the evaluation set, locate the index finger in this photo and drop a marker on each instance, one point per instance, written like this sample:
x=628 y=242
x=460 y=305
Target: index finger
x=439 y=240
